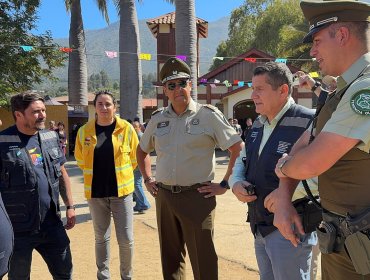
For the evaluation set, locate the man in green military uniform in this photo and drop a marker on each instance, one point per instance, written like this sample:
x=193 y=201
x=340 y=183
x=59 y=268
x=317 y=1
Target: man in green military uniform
x=339 y=153
x=184 y=136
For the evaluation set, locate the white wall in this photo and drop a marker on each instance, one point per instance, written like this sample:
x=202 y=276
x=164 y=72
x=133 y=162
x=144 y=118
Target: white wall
x=230 y=101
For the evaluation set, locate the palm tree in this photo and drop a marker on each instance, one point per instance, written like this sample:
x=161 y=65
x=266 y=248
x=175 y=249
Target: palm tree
x=131 y=83
x=186 y=37
x=77 y=67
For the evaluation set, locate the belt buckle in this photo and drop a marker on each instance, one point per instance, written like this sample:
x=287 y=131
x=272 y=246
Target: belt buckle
x=176 y=189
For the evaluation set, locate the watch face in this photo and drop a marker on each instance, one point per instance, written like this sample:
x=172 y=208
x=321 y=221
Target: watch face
x=224 y=184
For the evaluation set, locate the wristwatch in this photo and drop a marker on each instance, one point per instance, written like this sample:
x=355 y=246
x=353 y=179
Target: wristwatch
x=224 y=184
x=71 y=207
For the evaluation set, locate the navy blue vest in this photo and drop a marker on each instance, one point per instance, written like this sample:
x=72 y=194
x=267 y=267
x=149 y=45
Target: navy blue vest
x=18 y=183
x=6 y=239
x=260 y=169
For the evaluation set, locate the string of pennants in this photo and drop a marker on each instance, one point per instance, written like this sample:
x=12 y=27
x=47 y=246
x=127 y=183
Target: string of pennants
x=204 y=82
x=238 y=83
x=148 y=56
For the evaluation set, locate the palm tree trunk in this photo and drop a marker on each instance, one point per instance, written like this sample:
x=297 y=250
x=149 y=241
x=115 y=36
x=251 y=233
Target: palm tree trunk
x=186 y=38
x=131 y=84
x=77 y=67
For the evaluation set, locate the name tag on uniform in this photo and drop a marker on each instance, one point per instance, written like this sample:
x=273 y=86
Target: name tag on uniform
x=163 y=124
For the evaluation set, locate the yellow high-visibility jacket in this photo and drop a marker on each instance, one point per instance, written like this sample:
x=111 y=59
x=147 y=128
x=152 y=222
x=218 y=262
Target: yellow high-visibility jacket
x=125 y=142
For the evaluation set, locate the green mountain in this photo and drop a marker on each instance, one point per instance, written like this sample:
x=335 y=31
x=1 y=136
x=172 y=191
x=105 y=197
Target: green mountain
x=106 y=39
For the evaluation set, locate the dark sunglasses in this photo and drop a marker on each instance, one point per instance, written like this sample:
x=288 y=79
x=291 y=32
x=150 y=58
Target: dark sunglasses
x=182 y=84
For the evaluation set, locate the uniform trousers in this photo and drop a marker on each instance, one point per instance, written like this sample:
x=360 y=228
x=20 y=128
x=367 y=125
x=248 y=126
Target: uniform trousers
x=101 y=210
x=186 y=218
x=53 y=246
x=338 y=266
x=278 y=259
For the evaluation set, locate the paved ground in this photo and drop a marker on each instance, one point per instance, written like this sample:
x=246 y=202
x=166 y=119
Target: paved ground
x=233 y=240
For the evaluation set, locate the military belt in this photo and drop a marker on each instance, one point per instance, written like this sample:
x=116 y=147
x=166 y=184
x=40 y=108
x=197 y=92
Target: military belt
x=177 y=188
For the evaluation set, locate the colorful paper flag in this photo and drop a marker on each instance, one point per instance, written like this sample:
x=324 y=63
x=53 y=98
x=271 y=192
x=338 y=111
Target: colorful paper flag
x=145 y=56
x=66 y=50
x=250 y=59
x=182 y=57
x=27 y=48
x=314 y=74
x=281 y=60
x=111 y=54
x=241 y=84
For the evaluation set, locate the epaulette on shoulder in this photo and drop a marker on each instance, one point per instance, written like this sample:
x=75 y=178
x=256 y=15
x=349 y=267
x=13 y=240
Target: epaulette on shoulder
x=211 y=107
x=157 y=111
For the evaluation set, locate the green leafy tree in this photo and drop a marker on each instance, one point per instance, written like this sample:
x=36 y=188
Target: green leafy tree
x=274 y=26
x=20 y=69
x=242 y=27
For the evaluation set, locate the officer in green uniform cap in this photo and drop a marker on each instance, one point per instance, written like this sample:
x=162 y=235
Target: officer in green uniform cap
x=339 y=154
x=184 y=136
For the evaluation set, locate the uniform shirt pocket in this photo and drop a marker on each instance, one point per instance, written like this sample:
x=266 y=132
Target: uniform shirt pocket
x=162 y=135
x=195 y=130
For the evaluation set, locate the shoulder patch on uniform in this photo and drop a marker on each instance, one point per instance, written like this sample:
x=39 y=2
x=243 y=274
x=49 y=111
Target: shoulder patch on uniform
x=211 y=107
x=157 y=111
x=360 y=102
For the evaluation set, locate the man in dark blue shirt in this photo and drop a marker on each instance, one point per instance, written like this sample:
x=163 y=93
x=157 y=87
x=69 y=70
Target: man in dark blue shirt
x=31 y=166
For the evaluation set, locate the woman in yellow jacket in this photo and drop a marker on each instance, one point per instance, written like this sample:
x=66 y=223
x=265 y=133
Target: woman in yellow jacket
x=106 y=152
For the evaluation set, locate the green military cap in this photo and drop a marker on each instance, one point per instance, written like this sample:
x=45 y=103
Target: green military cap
x=322 y=13
x=174 y=68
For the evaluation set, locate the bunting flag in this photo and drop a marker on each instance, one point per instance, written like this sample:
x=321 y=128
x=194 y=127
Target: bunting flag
x=216 y=81
x=250 y=59
x=145 y=56
x=27 y=48
x=314 y=74
x=240 y=83
x=148 y=56
x=249 y=84
x=227 y=83
x=111 y=54
x=66 y=50
x=203 y=81
x=281 y=60
x=182 y=57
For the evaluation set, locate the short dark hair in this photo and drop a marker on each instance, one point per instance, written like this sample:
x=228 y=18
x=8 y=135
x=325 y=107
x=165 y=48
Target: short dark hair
x=61 y=123
x=277 y=74
x=359 y=29
x=21 y=101
x=107 y=93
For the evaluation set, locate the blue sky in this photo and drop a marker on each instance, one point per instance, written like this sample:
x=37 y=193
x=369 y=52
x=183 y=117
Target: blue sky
x=53 y=16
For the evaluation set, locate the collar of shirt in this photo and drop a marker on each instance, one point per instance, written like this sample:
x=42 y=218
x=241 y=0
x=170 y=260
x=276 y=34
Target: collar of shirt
x=268 y=127
x=353 y=71
x=274 y=121
x=191 y=107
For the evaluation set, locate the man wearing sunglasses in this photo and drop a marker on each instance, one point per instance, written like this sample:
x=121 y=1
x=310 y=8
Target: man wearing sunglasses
x=184 y=136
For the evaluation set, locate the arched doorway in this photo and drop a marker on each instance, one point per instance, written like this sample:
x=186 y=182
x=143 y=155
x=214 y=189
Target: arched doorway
x=243 y=110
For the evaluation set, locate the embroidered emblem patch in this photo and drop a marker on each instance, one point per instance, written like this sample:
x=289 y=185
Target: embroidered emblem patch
x=195 y=122
x=163 y=124
x=283 y=147
x=360 y=102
